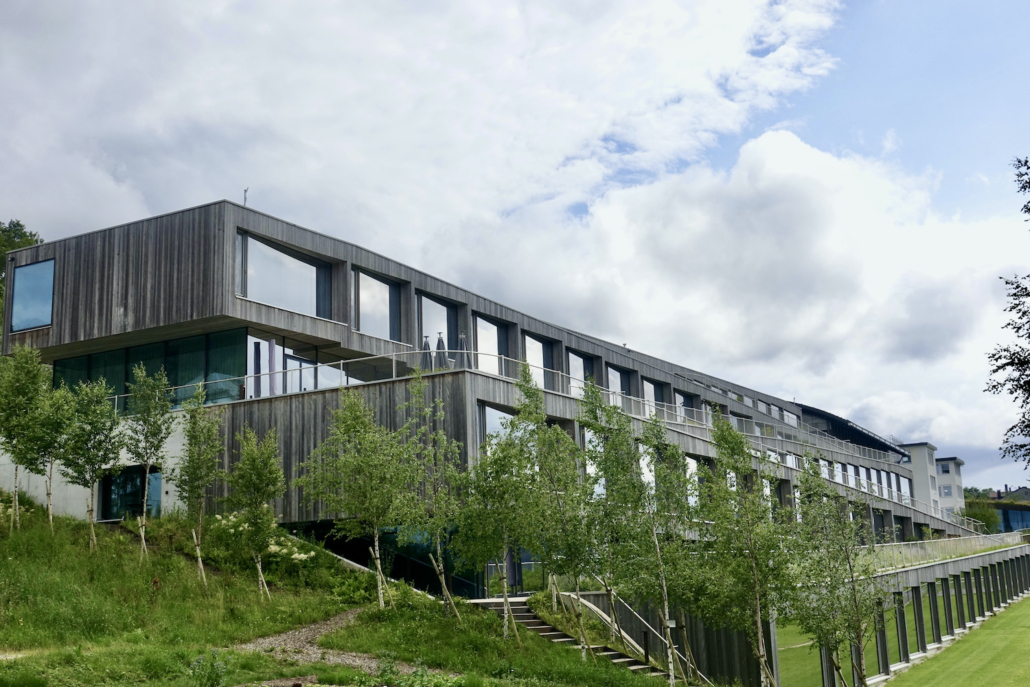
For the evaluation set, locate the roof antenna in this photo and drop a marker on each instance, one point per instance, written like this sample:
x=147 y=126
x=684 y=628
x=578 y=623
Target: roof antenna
x=245 y=196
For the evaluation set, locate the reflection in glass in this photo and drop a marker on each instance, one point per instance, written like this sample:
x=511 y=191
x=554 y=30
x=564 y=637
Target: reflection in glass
x=264 y=356
x=275 y=278
x=374 y=306
x=184 y=363
x=71 y=371
x=33 y=299
x=617 y=383
x=121 y=494
x=578 y=373
x=535 y=359
x=226 y=365
x=487 y=346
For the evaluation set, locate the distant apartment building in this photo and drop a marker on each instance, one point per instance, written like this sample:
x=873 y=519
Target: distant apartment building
x=949 y=484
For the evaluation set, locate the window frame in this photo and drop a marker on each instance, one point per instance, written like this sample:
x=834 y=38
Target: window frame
x=14 y=294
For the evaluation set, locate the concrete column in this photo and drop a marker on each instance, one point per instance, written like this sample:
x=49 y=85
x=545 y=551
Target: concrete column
x=949 y=613
x=1006 y=580
x=855 y=655
x=999 y=594
x=917 y=616
x=981 y=607
x=935 y=613
x=970 y=596
x=959 y=607
x=985 y=574
x=901 y=622
x=883 y=658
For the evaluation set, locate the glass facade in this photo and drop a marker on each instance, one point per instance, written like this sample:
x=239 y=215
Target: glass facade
x=281 y=277
x=32 y=303
x=279 y=365
x=491 y=421
x=378 y=311
x=618 y=382
x=538 y=357
x=213 y=358
x=438 y=320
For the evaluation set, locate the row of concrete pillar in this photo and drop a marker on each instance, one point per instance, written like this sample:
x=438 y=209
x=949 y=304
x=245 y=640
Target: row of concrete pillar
x=968 y=596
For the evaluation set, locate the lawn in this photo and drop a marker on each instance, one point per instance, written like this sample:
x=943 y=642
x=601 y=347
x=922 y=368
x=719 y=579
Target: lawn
x=995 y=654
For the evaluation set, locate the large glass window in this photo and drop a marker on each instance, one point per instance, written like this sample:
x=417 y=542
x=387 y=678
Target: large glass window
x=121 y=494
x=281 y=277
x=379 y=306
x=438 y=321
x=185 y=361
x=581 y=369
x=618 y=383
x=538 y=357
x=488 y=346
x=225 y=365
x=71 y=371
x=32 y=304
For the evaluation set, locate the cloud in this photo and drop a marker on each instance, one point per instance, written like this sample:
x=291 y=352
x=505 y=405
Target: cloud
x=548 y=155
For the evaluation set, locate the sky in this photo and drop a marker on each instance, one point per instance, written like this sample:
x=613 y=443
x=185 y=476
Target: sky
x=810 y=198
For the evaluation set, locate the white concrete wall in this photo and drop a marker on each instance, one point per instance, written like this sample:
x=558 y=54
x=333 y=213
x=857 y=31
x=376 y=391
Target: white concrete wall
x=73 y=500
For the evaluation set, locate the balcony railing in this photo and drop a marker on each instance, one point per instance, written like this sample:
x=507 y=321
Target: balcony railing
x=907 y=554
x=697 y=421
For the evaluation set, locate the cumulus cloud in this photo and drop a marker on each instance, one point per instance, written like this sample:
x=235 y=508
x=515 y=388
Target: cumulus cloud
x=549 y=155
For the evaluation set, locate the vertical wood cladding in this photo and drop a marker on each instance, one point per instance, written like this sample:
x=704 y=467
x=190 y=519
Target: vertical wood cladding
x=303 y=422
x=156 y=272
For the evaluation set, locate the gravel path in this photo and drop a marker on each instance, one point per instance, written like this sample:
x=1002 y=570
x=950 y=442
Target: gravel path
x=301 y=645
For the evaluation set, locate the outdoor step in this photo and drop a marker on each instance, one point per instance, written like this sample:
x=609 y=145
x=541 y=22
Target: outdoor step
x=552 y=634
x=642 y=666
x=609 y=654
x=563 y=639
x=625 y=660
x=657 y=674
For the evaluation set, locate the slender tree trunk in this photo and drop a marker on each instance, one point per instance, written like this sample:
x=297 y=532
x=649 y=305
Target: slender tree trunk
x=669 y=648
x=681 y=619
x=768 y=678
x=448 y=600
x=50 y=495
x=89 y=512
x=143 y=518
x=379 y=569
x=16 y=519
x=584 y=644
x=200 y=561
x=200 y=525
x=507 y=605
x=835 y=660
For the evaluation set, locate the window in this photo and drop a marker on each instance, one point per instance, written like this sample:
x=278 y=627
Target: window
x=946 y=491
x=439 y=322
x=790 y=418
x=378 y=311
x=842 y=473
x=32 y=304
x=945 y=469
x=581 y=369
x=491 y=346
x=219 y=359
x=538 y=357
x=121 y=494
x=278 y=276
x=618 y=383
x=933 y=483
x=491 y=421
x=654 y=392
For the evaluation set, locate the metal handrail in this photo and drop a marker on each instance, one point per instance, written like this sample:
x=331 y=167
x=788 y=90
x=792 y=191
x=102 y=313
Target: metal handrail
x=379 y=368
x=899 y=555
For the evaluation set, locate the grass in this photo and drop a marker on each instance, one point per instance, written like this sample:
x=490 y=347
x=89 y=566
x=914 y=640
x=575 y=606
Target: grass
x=419 y=631
x=992 y=655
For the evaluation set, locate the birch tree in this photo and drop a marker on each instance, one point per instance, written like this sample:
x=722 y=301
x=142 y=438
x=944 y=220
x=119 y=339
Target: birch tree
x=360 y=473
x=148 y=424
x=430 y=506
x=496 y=515
x=23 y=382
x=48 y=438
x=839 y=598
x=199 y=465
x=746 y=543
x=611 y=453
x=94 y=445
x=254 y=483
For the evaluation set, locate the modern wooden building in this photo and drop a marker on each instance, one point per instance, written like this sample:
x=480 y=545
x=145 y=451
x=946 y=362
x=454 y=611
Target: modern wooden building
x=274 y=319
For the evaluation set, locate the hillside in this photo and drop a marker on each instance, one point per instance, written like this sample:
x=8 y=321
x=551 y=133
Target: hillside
x=69 y=616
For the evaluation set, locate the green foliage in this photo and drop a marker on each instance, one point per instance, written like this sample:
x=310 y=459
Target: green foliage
x=359 y=470
x=149 y=421
x=838 y=597
x=430 y=505
x=256 y=480
x=746 y=548
x=208 y=670
x=23 y=383
x=496 y=515
x=198 y=465
x=983 y=510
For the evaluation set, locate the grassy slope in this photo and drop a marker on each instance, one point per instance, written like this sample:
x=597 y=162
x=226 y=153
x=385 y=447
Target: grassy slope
x=419 y=632
x=995 y=654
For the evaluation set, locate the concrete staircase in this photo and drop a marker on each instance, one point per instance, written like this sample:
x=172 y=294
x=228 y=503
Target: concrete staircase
x=528 y=619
